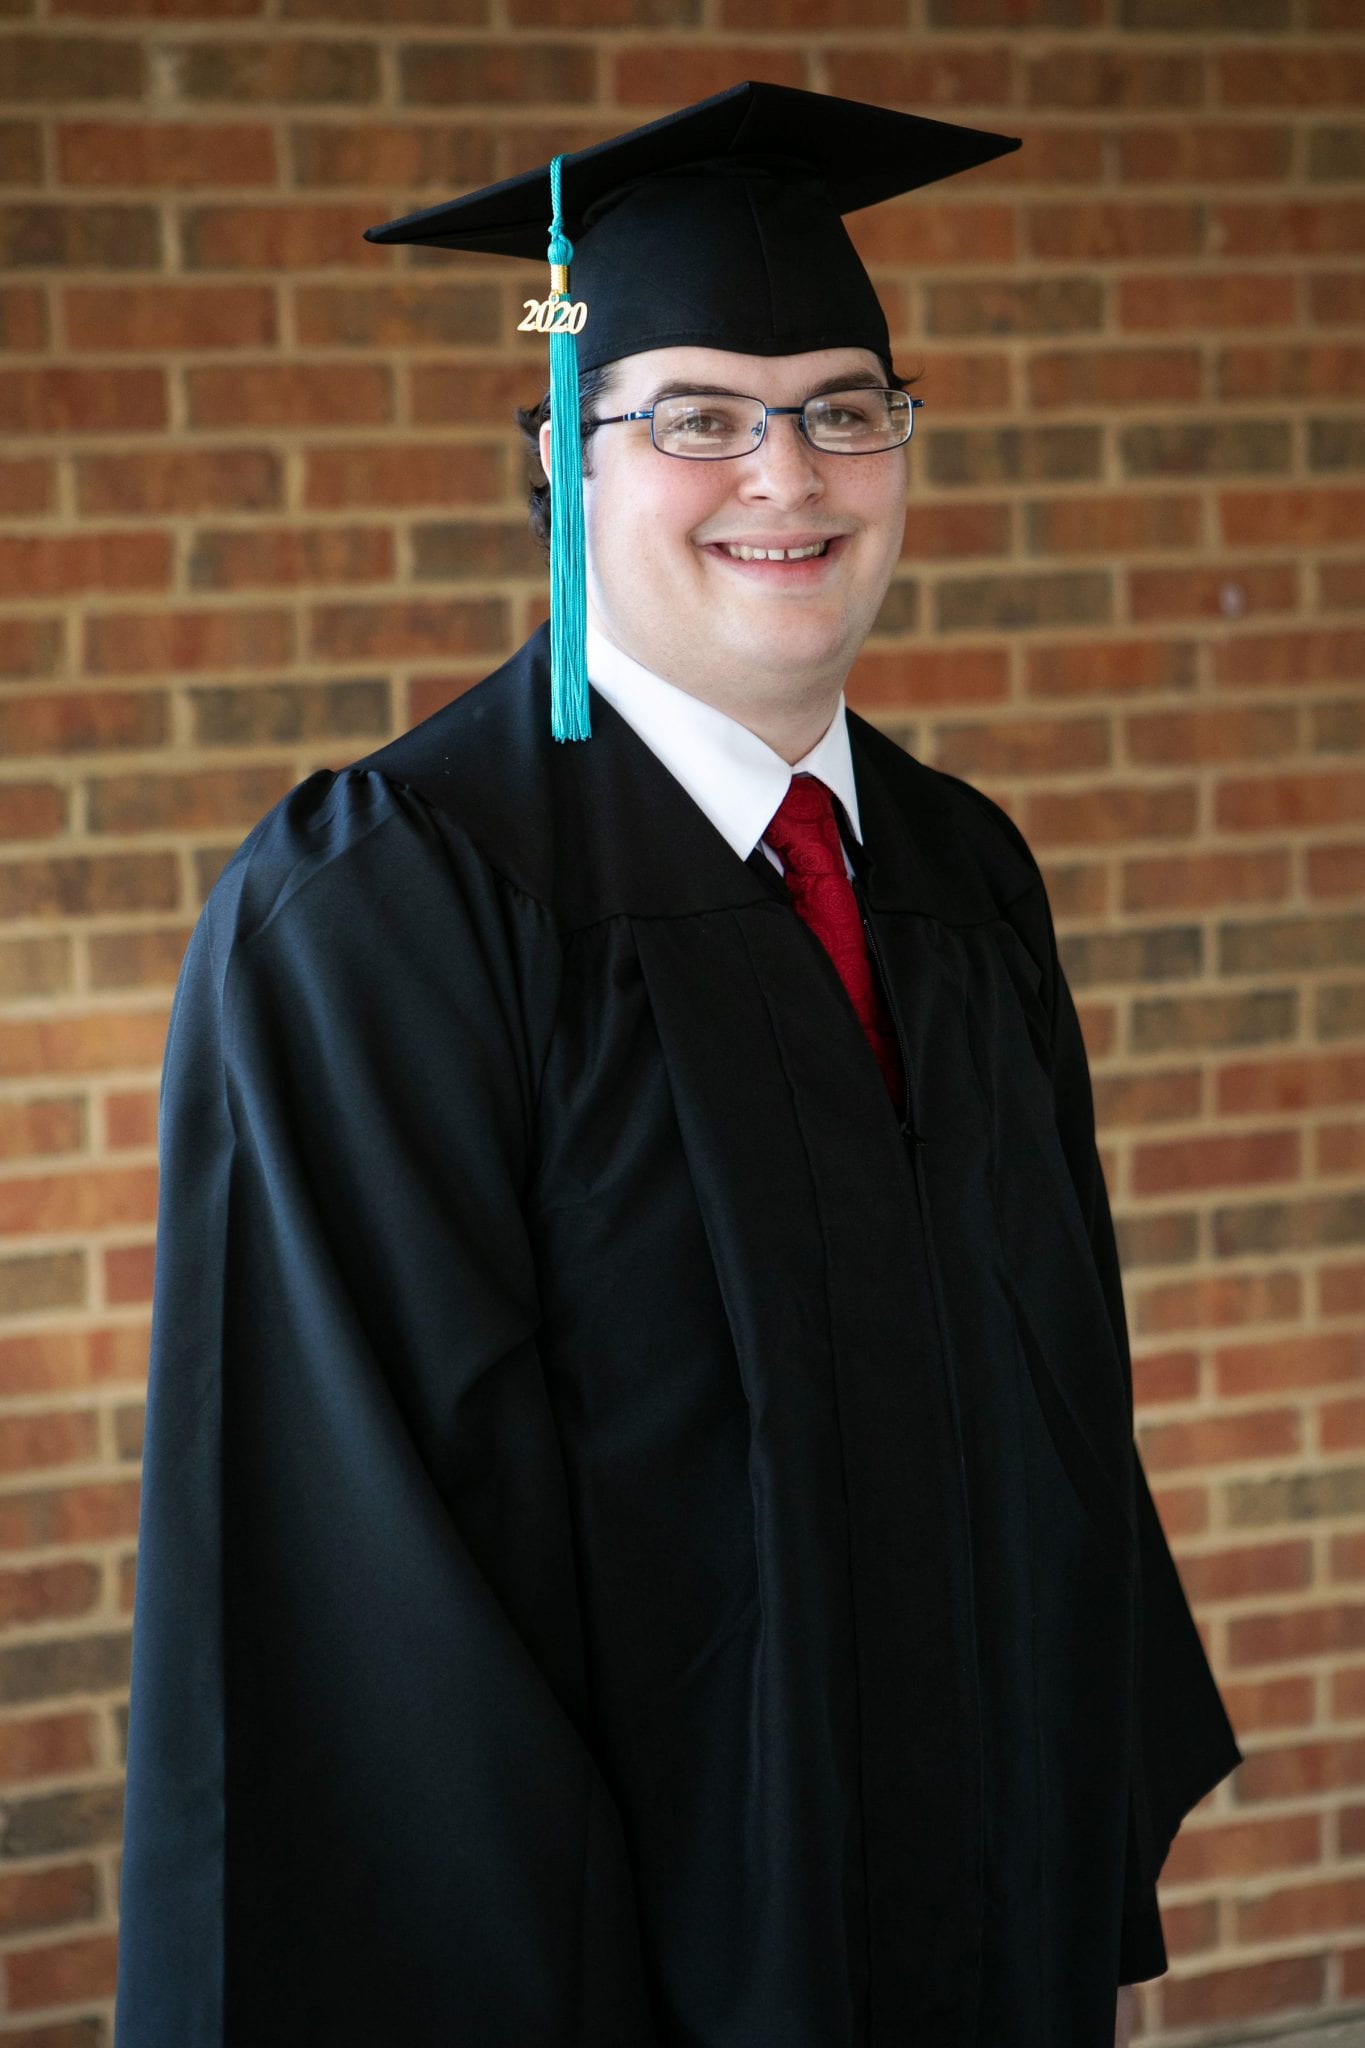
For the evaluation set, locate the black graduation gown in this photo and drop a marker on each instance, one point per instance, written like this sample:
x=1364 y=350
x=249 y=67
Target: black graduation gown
x=640 y=1548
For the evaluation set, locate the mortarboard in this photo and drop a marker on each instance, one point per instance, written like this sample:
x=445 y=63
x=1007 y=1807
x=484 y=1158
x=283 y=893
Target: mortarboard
x=719 y=226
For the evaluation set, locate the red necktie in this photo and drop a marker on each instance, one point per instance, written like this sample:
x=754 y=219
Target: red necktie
x=804 y=833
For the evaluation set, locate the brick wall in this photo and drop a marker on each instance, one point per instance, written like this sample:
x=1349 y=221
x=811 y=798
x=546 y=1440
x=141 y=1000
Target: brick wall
x=261 y=504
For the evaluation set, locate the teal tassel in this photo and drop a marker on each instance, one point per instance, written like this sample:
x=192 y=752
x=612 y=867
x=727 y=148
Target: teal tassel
x=569 y=717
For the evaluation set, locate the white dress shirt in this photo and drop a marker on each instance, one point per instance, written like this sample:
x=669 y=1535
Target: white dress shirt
x=736 y=778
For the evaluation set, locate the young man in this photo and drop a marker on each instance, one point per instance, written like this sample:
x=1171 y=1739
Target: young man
x=643 y=1542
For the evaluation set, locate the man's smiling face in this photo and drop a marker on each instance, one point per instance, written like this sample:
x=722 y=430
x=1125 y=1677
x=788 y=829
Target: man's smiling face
x=665 y=580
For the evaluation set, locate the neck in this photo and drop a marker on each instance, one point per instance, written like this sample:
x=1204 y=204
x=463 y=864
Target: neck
x=789 y=718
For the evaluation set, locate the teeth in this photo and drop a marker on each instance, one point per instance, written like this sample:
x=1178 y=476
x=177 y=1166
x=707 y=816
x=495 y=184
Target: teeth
x=740 y=553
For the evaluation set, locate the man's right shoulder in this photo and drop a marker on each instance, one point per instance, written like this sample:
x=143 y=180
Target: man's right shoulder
x=480 y=762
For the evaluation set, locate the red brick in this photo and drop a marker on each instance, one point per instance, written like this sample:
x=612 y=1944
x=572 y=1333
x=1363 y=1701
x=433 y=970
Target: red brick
x=1280 y=659
x=128 y=1272
x=59 y=565
x=395 y=155
x=1290 y=227
x=196 y=800
x=130 y=1119
x=180 y=480
x=1270 y=370
x=1282 y=75
x=932 y=78
x=160 y=10
x=1335 y=870
x=1104 y=525
x=1254 y=1704
x=98 y=1042
x=1203 y=881
x=1305 y=1910
x=1022 y=746
x=149 y=643
x=1250 y=1569
x=1247 y=1991
x=151 y=317
x=1187 y=153
x=404 y=473
x=290 y=395
x=1163 y=1377
x=955 y=531
x=1341 y=1149
x=26 y=485
x=1244 y=1849
x=21 y=153
x=313 y=72
x=666 y=75
x=927 y=676
x=1341 y=585
x=303 y=236
x=1074 y=75
x=61 y=1972
x=1341 y=1290
x=38 y=966
x=1218 y=1301
x=63 y=401
x=41 y=1126
x=47 y=1898
x=141 y=958
x=413 y=628
x=23 y=318
x=1110 y=813
x=1114 y=376
x=1341 y=1426
x=41 y=233
x=1107 y=668
x=236 y=559
x=65 y=68
x=1292 y=515
x=1176 y=593
x=398 y=316
x=28 y=1443
x=1320 y=1359
x=176 y=155
x=472 y=393
x=1308 y=1082
x=1246 y=1159
x=1169 y=738
x=1285 y=1637
x=77 y=885
x=31 y=810
x=69 y=1361
x=1337 y=296
x=1103 y=231
x=1267 y=803
x=72 y=1514
x=53 y=724
x=611 y=14
x=94 y=1198
x=920 y=232
x=501 y=74
x=1213 y=299
x=46 y=1746
x=1140 y=1097
x=1241 y=1438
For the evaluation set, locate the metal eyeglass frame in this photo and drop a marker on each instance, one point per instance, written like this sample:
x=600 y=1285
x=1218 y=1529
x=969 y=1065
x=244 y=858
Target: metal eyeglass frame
x=769 y=412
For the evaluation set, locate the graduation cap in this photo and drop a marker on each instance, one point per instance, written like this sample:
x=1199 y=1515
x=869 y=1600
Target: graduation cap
x=719 y=226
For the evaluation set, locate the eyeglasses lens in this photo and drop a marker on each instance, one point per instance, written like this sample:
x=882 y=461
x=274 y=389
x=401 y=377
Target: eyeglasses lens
x=855 y=422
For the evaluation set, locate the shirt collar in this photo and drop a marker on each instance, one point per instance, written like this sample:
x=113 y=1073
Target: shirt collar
x=732 y=775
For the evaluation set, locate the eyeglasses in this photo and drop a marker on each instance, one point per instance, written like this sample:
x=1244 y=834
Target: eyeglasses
x=706 y=426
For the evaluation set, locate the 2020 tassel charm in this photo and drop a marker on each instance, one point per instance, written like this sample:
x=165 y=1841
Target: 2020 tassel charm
x=569 y=714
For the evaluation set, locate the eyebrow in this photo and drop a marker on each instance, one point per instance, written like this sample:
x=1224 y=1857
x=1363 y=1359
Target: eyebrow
x=853 y=380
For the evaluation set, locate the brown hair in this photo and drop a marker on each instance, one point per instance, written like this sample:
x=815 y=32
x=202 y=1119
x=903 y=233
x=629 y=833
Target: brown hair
x=531 y=418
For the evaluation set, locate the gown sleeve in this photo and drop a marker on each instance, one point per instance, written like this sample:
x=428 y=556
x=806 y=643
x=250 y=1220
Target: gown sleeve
x=363 y=1801
x=1183 y=1740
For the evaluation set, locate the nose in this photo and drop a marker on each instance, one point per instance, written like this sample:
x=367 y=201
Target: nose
x=783 y=469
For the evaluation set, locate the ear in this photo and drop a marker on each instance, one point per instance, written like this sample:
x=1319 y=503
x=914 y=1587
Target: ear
x=545 y=449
